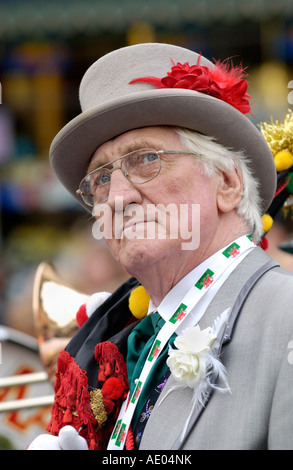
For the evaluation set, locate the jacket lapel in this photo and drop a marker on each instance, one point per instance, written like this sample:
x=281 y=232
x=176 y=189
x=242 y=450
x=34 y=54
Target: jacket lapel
x=227 y=295
x=225 y=298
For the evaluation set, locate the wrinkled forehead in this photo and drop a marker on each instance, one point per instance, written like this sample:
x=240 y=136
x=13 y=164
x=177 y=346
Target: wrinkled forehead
x=157 y=138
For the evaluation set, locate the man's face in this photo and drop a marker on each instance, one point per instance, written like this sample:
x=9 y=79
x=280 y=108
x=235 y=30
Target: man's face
x=143 y=216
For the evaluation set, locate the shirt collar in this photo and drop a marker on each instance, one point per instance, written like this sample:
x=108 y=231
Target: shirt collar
x=170 y=301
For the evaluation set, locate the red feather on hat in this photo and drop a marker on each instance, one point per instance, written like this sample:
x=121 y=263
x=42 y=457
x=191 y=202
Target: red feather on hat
x=224 y=82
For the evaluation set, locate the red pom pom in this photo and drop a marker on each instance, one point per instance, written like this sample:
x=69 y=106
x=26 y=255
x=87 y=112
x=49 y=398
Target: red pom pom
x=81 y=316
x=113 y=388
x=264 y=244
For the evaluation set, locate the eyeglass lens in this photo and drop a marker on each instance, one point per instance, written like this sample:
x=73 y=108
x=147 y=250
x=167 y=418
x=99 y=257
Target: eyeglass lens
x=138 y=167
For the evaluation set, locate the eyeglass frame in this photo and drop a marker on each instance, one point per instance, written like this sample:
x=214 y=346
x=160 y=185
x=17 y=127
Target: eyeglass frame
x=158 y=152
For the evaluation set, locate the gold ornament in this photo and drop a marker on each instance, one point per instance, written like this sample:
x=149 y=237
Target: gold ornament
x=97 y=407
x=279 y=134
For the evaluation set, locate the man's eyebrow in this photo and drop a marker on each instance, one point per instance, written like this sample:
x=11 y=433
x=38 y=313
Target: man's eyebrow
x=141 y=144
x=94 y=165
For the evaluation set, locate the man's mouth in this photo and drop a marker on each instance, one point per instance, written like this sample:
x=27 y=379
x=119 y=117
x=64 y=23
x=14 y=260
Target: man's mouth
x=132 y=226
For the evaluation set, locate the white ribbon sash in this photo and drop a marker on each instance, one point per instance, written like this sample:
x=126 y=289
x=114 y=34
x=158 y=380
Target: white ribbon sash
x=219 y=264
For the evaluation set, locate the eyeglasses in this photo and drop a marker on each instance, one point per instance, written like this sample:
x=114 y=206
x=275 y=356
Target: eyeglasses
x=139 y=167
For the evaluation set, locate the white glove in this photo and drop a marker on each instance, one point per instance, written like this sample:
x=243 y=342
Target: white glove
x=68 y=439
x=45 y=442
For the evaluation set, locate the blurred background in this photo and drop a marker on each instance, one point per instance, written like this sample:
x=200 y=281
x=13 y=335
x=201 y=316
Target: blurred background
x=45 y=48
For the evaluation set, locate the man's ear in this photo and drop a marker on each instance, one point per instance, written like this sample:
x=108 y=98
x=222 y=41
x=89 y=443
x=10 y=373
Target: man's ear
x=230 y=190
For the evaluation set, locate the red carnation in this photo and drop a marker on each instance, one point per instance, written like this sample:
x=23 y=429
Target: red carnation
x=222 y=82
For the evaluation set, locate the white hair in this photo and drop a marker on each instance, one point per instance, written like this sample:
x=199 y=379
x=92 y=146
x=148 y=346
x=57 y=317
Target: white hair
x=215 y=157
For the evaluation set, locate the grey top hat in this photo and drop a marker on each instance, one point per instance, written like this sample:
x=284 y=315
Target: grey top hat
x=111 y=105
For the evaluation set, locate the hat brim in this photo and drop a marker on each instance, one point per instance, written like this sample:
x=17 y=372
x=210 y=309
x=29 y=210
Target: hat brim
x=73 y=147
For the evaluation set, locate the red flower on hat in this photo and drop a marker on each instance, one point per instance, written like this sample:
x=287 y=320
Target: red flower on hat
x=224 y=82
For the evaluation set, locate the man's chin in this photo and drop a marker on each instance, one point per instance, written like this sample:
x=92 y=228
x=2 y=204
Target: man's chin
x=137 y=254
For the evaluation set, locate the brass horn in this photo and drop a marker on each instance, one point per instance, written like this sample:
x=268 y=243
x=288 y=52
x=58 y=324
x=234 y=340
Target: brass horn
x=55 y=305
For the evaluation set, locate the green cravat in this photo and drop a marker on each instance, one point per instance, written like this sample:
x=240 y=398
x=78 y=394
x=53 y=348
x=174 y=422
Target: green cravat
x=139 y=344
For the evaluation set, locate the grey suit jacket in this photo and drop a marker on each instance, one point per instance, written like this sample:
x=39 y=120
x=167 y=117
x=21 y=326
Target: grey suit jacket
x=258 y=414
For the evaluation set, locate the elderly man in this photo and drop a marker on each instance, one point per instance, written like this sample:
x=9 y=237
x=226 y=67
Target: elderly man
x=208 y=367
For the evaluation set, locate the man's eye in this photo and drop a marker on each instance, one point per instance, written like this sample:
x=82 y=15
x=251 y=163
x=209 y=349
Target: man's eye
x=104 y=178
x=101 y=178
x=149 y=157
x=138 y=159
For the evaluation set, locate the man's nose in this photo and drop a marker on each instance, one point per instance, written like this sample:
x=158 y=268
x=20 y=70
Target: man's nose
x=121 y=187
